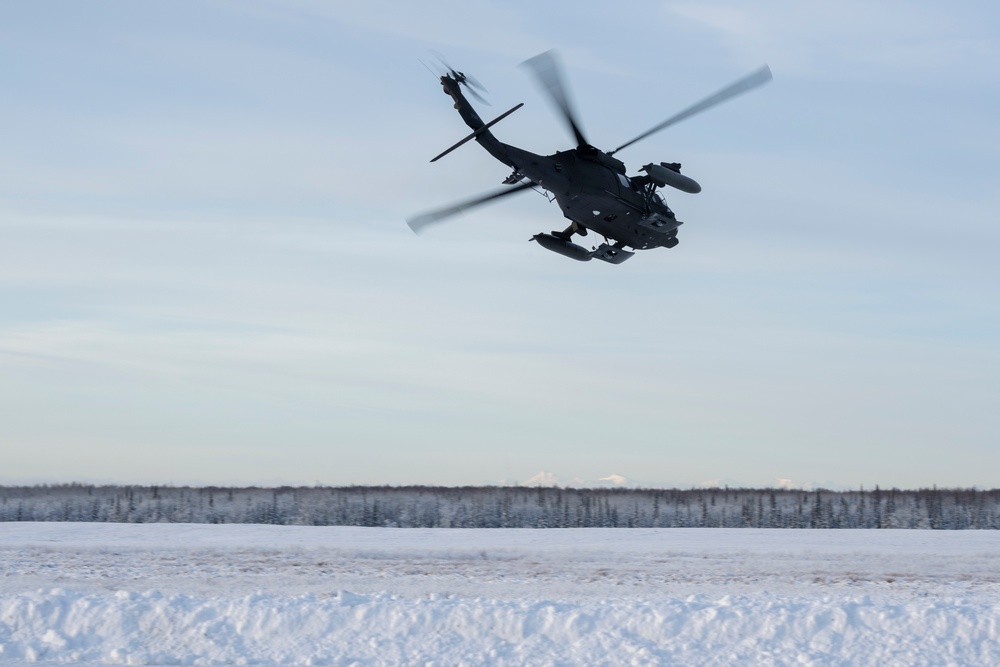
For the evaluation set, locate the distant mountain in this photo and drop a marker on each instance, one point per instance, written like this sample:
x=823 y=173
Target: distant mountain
x=828 y=485
x=721 y=484
x=545 y=478
x=777 y=483
x=542 y=479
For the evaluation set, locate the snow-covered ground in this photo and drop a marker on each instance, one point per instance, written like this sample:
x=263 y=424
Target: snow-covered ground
x=242 y=594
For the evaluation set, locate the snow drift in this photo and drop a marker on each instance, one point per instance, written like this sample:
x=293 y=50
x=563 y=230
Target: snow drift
x=182 y=594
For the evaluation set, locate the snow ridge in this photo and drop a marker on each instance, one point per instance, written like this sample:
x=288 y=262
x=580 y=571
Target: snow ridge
x=190 y=594
x=127 y=627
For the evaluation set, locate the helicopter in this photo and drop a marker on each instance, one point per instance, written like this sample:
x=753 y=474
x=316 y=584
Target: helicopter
x=590 y=185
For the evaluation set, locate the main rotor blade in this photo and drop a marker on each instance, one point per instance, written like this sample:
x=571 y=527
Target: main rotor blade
x=758 y=78
x=546 y=69
x=418 y=223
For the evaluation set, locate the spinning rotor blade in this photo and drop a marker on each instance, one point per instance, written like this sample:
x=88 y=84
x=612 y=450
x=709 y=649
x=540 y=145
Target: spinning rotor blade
x=546 y=69
x=758 y=78
x=418 y=223
x=470 y=82
x=472 y=91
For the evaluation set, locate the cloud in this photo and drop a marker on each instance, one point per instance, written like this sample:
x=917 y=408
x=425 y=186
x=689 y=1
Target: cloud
x=848 y=37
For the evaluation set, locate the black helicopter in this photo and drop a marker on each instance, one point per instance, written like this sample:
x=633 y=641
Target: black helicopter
x=590 y=185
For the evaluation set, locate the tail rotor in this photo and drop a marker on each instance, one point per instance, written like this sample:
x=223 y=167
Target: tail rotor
x=470 y=82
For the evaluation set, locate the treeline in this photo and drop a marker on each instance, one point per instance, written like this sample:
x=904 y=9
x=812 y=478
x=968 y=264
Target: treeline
x=507 y=507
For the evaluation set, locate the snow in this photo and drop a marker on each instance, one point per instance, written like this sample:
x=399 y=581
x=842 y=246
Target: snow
x=542 y=478
x=292 y=595
x=617 y=480
x=546 y=478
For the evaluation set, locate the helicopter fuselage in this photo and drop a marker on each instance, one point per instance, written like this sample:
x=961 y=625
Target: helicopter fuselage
x=590 y=186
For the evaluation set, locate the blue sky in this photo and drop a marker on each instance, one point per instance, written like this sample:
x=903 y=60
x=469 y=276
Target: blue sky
x=205 y=274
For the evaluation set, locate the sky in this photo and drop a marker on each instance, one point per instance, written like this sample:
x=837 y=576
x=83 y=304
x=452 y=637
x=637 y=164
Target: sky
x=206 y=276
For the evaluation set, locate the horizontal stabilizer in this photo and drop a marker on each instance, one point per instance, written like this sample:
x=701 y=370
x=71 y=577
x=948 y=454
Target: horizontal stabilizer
x=479 y=131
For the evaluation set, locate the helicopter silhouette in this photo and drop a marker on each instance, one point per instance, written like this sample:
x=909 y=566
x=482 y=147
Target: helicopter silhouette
x=591 y=186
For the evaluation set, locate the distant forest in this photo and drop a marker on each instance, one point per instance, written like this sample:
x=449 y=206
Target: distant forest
x=507 y=507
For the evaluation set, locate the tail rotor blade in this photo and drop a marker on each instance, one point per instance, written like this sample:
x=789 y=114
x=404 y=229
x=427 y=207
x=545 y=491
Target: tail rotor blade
x=472 y=91
x=440 y=59
x=418 y=223
x=758 y=78
x=473 y=82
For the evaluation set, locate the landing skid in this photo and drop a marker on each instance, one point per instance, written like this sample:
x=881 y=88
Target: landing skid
x=610 y=254
x=559 y=242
